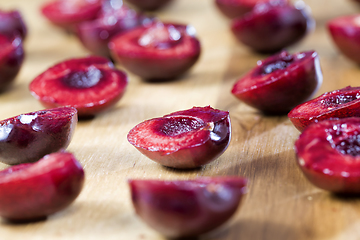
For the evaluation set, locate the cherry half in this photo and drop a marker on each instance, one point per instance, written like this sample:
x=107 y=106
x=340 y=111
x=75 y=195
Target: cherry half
x=11 y=59
x=28 y=137
x=328 y=153
x=272 y=26
x=158 y=52
x=340 y=103
x=32 y=191
x=189 y=207
x=91 y=85
x=280 y=82
x=12 y=24
x=184 y=139
x=149 y=5
x=345 y=33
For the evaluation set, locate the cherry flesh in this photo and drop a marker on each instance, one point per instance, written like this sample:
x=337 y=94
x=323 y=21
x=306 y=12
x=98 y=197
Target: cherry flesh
x=280 y=82
x=11 y=59
x=28 y=137
x=189 y=207
x=90 y=84
x=272 y=26
x=328 y=153
x=161 y=51
x=32 y=191
x=340 y=103
x=149 y=5
x=12 y=24
x=184 y=139
x=345 y=32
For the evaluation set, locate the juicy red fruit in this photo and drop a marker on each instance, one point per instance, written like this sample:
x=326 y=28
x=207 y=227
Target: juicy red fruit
x=340 y=103
x=90 y=84
x=35 y=190
x=280 y=82
x=184 y=139
x=28 y=137
x=328 y=153
x=160 y=51
x=12 y=24
x=187 y=208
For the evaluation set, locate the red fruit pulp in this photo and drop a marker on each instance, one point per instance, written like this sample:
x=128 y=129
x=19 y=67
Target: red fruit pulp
x=90 y=84
x=28 y=137
x=280 y=82
x=187 y=208
x=328 y=153
x=161 y=51
x=184 y=139
x=36 y=190
x=340 y=103
x=12 y=24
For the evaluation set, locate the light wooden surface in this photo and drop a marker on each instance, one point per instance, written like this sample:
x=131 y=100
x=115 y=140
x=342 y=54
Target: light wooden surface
x=281 y=203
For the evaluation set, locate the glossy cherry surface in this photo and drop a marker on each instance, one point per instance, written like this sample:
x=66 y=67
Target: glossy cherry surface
x=184 y=139
x=33 y=191
x=12 y=24
x=189 y=207
x=91 y=85
x=340 y=103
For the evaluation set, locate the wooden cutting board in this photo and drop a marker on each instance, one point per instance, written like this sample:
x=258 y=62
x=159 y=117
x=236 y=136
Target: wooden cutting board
x=280 y=204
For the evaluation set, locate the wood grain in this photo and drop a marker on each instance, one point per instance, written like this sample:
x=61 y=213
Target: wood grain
x=280 y=204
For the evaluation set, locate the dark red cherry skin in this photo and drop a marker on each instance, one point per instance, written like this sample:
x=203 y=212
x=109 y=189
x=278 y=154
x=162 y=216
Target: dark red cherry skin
x=328 y=153
x=345 y=33
x=32 y=191
x=280 y=82
x=269 y=27
x=342 y=103
x=149 y=5
x=28 y=137
x=11 y=59
x=189 y=207
x=238 y=8
x=96 y=34
x=184 y=139
x=153 y=53
x=91 y=85
x=68 y=13
x=12 y=24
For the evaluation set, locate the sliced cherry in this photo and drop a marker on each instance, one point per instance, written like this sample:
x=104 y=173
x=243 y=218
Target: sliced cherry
x=184 y=139
x=272 y=26
x=33 y=191
x=345 y=32
x=280 y=82
x=340 y=103
x=11 y=59
x=68 y=13
x=114 y=19
x=149 y=5
x=90 y=84
x=160 y=51
x=238 y=8
x=12 y=24
x=189 y=207
x=328 y=153
x=28 y=137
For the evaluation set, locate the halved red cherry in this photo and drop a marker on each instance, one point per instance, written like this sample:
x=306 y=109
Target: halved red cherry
x=238 y=8
x=189 y=207
x=11 y=59
x=272 y=26
x=149 y=5
x=345 y=33
x=28 y=137
x=12 y=24
x=340 y=103
x=114 y=19
x=328 y=153
x=68 y=13
x=184 y=139
x=161 y=51
x=280 y=82
x=91 y=85
x=33 y=191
